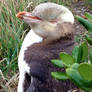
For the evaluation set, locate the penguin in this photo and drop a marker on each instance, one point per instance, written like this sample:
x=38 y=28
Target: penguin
x=51 y=32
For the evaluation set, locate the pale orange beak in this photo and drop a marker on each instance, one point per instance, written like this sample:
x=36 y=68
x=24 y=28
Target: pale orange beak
x=22 y=15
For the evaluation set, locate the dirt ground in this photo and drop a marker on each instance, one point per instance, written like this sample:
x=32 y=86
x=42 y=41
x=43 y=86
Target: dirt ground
x=79 y=8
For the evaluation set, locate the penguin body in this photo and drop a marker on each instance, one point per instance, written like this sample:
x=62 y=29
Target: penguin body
x=51 y=33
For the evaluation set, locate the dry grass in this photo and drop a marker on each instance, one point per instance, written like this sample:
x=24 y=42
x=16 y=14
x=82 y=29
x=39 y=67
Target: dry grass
x=12 y=32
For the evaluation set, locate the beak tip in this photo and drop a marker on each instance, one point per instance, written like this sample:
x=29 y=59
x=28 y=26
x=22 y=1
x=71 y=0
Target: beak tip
x=20 y=14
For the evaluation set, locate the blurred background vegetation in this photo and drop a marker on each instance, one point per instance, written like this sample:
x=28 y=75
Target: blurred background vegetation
x=12 y=33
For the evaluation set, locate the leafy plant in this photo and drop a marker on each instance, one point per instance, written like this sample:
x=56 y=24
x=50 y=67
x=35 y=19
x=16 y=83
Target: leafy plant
x=86 y=23
x=90 y=2
x=77 y=68
x=89 y=39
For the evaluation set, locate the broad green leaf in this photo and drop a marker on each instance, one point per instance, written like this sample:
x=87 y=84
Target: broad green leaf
x=74 y=76
x=90 y=55
x=58 y=63
x=77 y=79
x=84 y=49
x=89 y=39
x=75 y=66
x=66 y=59
x=85 y=71
x=76 y=53
x=59 y=75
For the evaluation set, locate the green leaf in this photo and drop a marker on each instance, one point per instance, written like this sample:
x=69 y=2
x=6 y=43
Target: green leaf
x=85 y=23
x=66 y=59
x=76 y=53
x=84 y=49
x=90 y=1
x=90 y=55
x=89 y=16
x=59 y=75
x=85 y=71
x=58 y=63
x=77 y=79
x=75 y=66
x=74 y=76
x=89 y=39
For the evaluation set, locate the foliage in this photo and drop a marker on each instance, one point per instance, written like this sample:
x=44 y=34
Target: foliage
x=77 y=69
x=89 y=2
x=86 y=21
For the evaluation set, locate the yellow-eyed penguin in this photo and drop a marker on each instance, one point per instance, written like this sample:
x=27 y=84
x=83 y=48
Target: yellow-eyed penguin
x=51 y=33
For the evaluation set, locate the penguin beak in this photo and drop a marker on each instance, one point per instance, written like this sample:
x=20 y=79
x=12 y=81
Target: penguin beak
x=27 y=17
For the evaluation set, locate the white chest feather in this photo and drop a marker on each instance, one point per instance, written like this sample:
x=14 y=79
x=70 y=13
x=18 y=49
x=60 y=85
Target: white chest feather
x=30 y=39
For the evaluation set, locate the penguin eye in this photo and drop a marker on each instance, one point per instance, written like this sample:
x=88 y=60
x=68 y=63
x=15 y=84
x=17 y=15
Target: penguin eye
x=53 y=21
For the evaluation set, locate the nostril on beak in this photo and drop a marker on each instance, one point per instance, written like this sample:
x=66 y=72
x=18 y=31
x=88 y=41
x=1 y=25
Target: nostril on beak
x=20 y=14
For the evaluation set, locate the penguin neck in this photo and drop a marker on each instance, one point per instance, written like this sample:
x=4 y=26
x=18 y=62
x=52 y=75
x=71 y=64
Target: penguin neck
x=30 y=39
x=34 y=38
